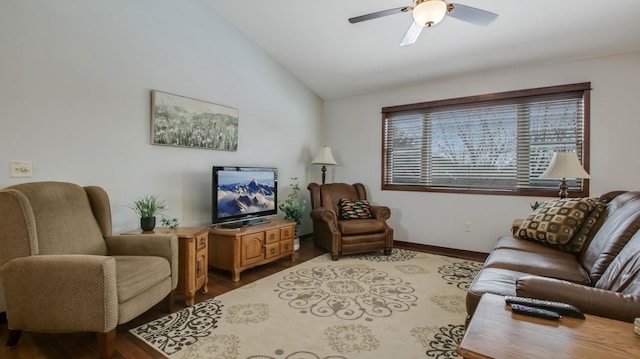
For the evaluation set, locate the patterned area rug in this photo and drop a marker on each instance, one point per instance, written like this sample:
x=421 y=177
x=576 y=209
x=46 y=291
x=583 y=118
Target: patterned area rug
x=407 y=305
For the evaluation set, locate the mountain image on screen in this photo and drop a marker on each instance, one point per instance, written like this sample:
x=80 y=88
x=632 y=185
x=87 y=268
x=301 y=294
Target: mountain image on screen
x=238 y=198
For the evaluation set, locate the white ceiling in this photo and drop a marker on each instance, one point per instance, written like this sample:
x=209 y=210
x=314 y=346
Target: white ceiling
x=314 y=40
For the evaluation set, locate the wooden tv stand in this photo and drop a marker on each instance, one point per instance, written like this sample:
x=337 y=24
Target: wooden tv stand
x=237 y=249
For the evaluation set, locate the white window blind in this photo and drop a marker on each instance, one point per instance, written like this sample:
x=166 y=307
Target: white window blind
x=501 y=144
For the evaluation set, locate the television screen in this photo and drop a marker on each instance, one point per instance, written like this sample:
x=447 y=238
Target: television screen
x=241 y=193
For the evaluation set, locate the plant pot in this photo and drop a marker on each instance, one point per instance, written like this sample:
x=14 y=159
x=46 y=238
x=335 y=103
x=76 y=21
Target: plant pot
x=296 y=243
x=148 y=223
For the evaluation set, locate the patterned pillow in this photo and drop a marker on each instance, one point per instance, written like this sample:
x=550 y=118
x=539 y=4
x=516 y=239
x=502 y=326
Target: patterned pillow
x=555 y=222
x=578 y=239
x=355 y=209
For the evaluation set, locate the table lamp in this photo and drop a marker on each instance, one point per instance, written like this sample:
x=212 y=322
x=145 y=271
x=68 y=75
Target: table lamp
x=564 y=165
x=324 y=157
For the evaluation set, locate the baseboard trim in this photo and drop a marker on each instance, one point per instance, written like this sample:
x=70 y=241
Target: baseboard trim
x=451 y=252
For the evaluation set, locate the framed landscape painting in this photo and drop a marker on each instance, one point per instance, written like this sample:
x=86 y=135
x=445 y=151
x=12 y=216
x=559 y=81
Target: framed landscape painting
x=186 y=122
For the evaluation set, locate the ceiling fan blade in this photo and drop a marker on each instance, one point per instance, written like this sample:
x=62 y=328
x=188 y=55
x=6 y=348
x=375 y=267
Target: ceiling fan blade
x=375 y=15
x=472 y=15
x=412 y=34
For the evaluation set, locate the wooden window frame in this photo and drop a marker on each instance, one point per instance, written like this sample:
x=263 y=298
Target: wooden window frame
x=585 y=87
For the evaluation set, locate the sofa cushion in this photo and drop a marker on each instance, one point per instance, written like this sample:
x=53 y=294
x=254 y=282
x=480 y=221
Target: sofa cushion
x=491 y=280
x=623 y=274
x=509 y=242
x=355 y=209
x=64 y=219
x=544 y=261
x=363 y=226
x=136 y=274
x=555 y=222
x=621 y=222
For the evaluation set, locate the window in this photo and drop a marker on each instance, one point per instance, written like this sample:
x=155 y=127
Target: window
x=497 y=143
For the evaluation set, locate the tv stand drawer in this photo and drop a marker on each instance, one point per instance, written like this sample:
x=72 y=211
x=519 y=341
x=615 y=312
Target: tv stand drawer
x=272 y=236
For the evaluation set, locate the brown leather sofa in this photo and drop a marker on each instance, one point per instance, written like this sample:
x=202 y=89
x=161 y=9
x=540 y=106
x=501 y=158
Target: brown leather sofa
x=603 y=279
x=341 y=236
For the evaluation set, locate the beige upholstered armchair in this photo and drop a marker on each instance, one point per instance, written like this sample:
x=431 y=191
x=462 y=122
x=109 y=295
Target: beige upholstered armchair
x=63 y=271
x=343 y=236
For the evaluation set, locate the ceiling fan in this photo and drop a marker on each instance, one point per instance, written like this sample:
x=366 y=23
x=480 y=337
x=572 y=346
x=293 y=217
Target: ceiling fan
x=427 y=13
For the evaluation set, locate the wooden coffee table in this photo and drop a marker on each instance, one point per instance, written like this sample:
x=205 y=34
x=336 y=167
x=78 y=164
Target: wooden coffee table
x=496 y=332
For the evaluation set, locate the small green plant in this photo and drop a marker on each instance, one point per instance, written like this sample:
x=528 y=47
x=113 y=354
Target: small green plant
x=535 y=205
x=169 y=222
x=293 y=208
x=148 y=206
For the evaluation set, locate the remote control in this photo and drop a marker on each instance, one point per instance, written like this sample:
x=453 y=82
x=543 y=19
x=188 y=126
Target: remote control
x=558 y=307
x=534 y=312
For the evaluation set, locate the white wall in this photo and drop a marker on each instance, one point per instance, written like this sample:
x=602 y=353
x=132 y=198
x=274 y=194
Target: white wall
x=75 y=81
x=75 y=78
x=354 y=132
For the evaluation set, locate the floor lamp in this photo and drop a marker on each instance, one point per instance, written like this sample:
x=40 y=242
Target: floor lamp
x=324 y=158
x=564 y=165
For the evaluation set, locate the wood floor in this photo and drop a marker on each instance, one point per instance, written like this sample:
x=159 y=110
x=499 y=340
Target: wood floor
x=84 y=345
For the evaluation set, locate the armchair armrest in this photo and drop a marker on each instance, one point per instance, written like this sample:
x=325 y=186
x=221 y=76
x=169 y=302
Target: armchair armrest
x=326 y=219
x=381 y=212
x=159 y=245
x=324 y=215
x=64 y=292
x=590 y=300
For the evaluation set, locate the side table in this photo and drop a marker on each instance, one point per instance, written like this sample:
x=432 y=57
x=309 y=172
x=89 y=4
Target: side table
x=496 y=332
x=192 y=258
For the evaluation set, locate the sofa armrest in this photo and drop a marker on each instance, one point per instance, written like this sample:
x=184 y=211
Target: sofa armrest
x=590 y=300
x=61 y=293
x=159 y=245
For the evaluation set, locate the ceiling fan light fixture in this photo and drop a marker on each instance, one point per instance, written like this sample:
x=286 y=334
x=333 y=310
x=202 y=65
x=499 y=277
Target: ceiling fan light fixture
x=429 y=12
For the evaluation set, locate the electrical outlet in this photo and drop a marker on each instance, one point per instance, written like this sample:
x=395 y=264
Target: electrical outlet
x=20 y=169
x=468 y=226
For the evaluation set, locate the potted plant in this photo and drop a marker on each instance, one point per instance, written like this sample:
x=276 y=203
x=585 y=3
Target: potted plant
x=293 y=209
x=148 y=207
x=172 y=223
x=535 y=205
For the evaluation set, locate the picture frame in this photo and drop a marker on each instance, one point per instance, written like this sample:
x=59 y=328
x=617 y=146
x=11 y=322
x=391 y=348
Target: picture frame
x=186 y=122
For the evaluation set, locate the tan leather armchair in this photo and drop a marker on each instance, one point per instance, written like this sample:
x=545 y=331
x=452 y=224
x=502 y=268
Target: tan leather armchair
x=342 y=236
x=62 y=270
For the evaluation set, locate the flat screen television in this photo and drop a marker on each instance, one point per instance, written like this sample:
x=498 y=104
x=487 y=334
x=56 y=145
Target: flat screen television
x=243 y=196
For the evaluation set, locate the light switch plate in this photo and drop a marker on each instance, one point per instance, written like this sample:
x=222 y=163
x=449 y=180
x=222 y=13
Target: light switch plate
x=20 y=169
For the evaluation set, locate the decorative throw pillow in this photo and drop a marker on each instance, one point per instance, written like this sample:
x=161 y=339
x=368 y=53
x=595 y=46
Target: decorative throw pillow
x=555 y=222
x=578 y=239
x=355 y=209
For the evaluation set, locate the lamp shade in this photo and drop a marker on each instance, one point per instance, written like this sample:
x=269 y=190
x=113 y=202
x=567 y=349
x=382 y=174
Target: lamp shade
x=564 y=165
x=429 y=12
x=324 y=157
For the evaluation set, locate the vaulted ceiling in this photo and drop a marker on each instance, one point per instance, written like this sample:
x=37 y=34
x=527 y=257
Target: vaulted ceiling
x=314 y=40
